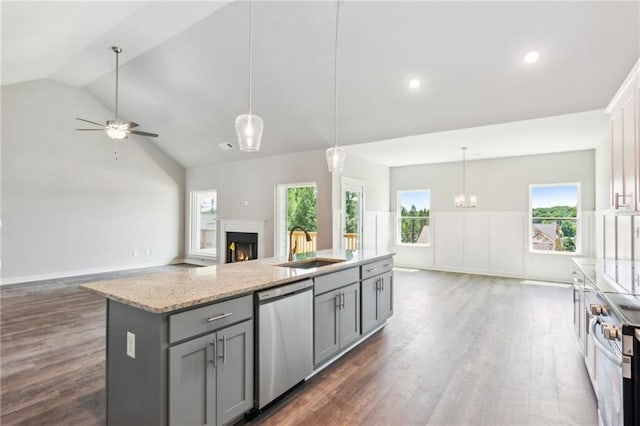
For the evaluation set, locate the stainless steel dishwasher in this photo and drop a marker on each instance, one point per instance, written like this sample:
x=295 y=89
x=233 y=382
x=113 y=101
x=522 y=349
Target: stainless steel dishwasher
x=285 y=339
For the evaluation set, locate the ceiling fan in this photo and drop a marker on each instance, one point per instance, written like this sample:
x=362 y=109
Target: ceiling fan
x=117 y=129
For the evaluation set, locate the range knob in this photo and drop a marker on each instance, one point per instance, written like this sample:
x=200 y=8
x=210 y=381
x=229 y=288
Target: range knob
x=611 y=332
x=597 y=309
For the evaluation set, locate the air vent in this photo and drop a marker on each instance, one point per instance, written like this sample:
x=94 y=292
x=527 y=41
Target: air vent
x=225 y=146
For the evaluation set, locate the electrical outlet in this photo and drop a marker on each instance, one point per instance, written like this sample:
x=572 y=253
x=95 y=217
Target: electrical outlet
x=134 y=252
x=153 y=251
x=147 y=252
x=131 y=344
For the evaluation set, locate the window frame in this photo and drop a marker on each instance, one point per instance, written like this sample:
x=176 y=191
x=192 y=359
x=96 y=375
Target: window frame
x=399 y=219
x=280 y=238
x=578 y=219
x=195 y=225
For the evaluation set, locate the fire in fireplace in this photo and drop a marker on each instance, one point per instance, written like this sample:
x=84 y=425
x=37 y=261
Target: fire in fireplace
x=241 y=246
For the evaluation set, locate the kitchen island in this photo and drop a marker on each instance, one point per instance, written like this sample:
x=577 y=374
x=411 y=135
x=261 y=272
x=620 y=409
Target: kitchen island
x=184 y=347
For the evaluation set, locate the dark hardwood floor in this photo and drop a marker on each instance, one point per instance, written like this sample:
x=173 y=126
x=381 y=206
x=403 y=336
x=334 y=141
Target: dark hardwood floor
x=459 y=350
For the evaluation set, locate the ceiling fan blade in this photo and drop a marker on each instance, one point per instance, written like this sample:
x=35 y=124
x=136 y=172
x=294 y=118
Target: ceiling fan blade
x=89 y=121
x=138 y=132
x=130 y=125
x=91 y=130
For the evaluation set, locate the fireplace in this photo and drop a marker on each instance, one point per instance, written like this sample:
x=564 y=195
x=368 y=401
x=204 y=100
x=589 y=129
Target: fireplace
x=241 y=246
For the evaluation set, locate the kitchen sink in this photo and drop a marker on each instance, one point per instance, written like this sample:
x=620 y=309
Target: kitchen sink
x=310 y=263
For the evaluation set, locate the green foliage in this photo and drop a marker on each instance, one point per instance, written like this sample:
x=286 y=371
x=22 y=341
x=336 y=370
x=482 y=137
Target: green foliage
x=351 y=212
x=302 y=208
x=412 y=223
x=560 y=212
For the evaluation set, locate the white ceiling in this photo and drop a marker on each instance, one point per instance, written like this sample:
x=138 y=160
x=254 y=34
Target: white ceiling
x=185 y=71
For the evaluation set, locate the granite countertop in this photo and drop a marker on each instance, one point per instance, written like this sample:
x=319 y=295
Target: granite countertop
x=170 y=291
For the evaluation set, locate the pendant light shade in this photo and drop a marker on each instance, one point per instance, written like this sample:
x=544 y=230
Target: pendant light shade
x=249 y=126
x=460 y=200
x=335 y=159
x=249 y=130
x=335 y=155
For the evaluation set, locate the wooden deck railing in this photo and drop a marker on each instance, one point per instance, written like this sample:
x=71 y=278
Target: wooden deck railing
x=303 y=246
x=351 y=241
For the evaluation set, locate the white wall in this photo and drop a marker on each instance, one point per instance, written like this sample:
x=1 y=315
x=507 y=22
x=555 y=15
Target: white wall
x=474 y=240
x=254 y=181
x=67 y=206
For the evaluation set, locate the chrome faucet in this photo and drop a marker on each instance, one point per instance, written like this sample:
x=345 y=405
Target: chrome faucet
x=292 y=249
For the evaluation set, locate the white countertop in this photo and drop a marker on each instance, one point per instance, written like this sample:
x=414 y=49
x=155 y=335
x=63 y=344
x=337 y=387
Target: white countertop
x=170 y=291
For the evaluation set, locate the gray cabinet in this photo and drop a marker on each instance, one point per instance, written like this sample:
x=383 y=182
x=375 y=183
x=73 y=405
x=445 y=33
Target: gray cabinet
x=336 y=321
x=377 y=301
x=211 y=377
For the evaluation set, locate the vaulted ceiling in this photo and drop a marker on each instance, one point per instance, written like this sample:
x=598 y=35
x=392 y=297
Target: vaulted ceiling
x=184 y=69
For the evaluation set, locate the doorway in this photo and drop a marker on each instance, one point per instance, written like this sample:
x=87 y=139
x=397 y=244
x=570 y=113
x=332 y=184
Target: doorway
x=352 y=192
x=296 y=205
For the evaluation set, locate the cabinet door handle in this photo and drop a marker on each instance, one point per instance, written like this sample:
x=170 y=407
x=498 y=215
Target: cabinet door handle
x=337 y=299
x=224 y=349
x=219 y=317
x=213 y=358
x=382 y=283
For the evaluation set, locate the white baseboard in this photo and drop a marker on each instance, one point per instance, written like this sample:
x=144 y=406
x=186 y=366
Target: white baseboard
x=66 y=274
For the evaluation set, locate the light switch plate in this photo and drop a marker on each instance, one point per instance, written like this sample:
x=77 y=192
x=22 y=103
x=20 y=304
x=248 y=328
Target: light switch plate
x=131 y=344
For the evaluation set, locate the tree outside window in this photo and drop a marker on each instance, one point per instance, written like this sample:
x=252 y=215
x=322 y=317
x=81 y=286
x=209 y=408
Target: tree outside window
x=554 y=217
x=413 y=217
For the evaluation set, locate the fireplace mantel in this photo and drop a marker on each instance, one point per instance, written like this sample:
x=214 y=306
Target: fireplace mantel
x=239 y=225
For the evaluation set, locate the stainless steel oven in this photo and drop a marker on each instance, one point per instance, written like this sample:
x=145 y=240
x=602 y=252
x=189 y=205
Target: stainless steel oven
x=608 y=361
x=612 y=363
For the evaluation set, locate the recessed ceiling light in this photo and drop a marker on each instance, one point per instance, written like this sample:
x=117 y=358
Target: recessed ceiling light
x=531 y=56
x=414 y=83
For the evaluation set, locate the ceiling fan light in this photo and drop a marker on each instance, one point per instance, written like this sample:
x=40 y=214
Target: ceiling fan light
x=249 y=131
x=116 y=132
x=335 y=159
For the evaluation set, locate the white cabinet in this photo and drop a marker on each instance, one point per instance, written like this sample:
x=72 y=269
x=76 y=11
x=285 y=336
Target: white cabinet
x=625 y=143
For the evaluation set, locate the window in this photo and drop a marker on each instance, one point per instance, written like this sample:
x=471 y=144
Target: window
x=413 y=217
x=554 y=219
x=203 y=223
x=296 y=205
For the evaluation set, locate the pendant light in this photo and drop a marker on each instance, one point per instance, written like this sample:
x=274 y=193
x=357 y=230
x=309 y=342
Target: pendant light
x=249 y=126
x=461 y=200
x=335 y=155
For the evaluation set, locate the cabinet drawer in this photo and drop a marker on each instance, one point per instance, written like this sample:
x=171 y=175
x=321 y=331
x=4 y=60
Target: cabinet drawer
x=209 y=318
x=376 y=268
x=325 y=283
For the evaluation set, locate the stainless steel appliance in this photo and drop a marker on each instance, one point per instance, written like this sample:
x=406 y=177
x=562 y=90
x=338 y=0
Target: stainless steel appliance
x=284 y=339
x=607 y=363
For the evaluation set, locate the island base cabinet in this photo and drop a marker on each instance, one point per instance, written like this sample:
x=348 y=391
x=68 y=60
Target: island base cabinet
x=336 y=321
x=211 y=377
x=234 y=394
x=377 y=301
x=326 y=334
x=192 y=382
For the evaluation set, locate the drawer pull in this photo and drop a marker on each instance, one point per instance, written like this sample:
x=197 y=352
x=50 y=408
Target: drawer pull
x=219 y=317
x=371 y=270
x=386 y=265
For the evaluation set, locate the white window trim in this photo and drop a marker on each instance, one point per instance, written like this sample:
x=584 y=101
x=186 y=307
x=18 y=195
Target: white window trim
x=194 y=211
x=578 y=251
x=399 y=219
